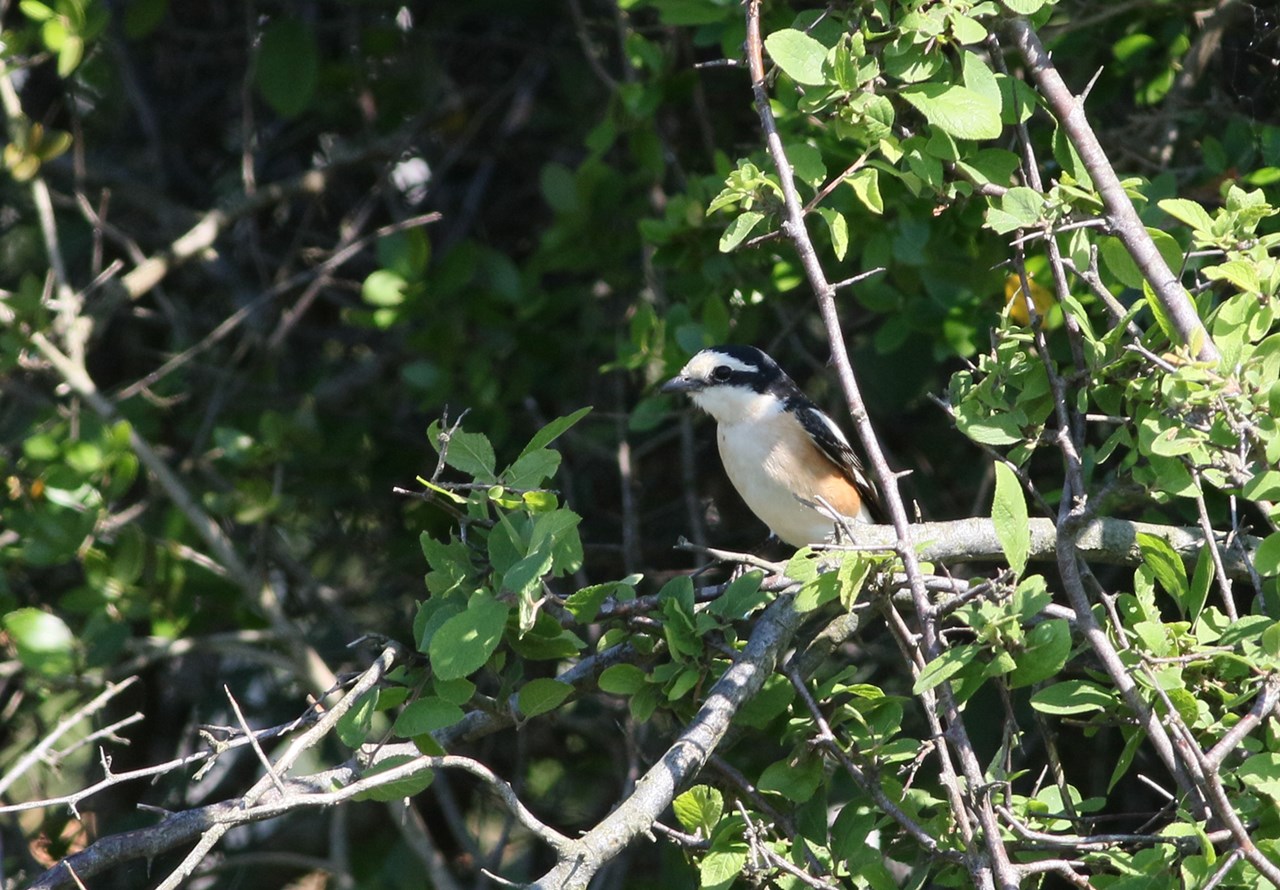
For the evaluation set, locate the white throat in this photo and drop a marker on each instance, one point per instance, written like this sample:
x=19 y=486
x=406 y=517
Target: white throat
x=731 y=405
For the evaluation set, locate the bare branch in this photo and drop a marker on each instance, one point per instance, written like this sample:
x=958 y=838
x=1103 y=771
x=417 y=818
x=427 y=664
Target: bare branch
x=96 y=704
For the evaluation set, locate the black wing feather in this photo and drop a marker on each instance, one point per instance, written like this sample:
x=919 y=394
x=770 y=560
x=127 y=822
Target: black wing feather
x=824 y=432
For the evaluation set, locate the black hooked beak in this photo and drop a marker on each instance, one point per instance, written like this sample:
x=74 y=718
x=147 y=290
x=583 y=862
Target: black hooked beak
x=682 y=384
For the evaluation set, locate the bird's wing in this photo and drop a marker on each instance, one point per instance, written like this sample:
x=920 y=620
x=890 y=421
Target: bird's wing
x=832 y=442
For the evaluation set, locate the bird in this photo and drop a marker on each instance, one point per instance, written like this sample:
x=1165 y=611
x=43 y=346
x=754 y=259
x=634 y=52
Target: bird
x=787 y=459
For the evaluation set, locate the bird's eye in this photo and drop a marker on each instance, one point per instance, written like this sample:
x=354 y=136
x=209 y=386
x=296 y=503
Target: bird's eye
x=721 y=373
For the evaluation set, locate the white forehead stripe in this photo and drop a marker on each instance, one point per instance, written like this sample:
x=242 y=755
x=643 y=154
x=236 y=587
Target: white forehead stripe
x=702 y=364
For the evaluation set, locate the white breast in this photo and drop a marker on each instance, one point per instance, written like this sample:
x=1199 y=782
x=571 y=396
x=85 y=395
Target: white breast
x=763 y=458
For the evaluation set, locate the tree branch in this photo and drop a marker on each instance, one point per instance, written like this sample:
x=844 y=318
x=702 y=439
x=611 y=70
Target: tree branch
x=1124 y=219
x=684 y=758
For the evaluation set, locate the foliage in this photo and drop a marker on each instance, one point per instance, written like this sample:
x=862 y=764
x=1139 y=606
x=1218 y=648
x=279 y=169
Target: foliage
x=252 y=253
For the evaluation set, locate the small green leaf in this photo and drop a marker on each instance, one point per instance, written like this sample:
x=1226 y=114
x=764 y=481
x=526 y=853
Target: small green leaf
x=523 y=578
x=1009 y=514
x=742 y=226
x=806 y=163
x=945 y=666
x=542 y=695
x=956 y=110
x=794 y=779
x=1261 y=772
x=699 y=809
x=1048 y=646
x=457 y=691
x=838 y=226
x=353 y=727
x=384 y=288
x=1073 y=697
x=866 y=185
x=463 y=643
x=742 y=597
x=1189 y=212
x=999 y=429
x=1267 y=558
x=585 y=603
x=288 y=66
x=622 y=679
x=554 y=430
x=798 y=54
x=425 y=715
x=470 y=453
x=1166 y=565
x=721 y=868
x=1024 y=7
x=43 y=642
x=407 y=786
x=35 y=10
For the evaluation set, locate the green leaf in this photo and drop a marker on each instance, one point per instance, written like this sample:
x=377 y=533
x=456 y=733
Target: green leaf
x=353 y=727
x=554 y=430
x=467 y=452
x=622 y=679
x=43 y=642
x=1009 y=514
x=806 y=163
x=1201 y=580
x=1189 y=212
x=1267 y=558
x=425 y=715
x=794 y=779
x=416 y=783
x=464 y=642
x=742 y=597
x=838 y=226
x=798 y=54
x=405 y=252
x=866 y=185
x=699 y=809
x=523 y=577
x=1116 y=259
x=739 y=229
x=822 y=589
x=721 y=868
x=70 y=53
x=1166 y=565
x=542 y=695
x=945 y=666
x=36 y=11
x=1261 y=772
x=956 y=110
x=288 y=66
x=533 y=469
x=584 y=604
x=999 y=429
x=384 y=288
x=774 y=697
x=1024 y=7
x=1048 y=646
x=1073 y=697
x=458 y=691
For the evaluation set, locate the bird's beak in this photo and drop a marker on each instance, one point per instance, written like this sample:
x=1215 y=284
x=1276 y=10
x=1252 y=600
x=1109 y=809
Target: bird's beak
x=681 y=384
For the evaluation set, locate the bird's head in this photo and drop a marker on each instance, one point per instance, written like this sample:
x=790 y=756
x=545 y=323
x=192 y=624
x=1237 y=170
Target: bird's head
x=732 y=383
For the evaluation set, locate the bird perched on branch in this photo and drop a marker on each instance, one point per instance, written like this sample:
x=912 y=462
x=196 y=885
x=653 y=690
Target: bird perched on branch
x=787 y=459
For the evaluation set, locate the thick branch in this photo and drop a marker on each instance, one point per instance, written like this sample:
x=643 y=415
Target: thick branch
x=1108 y=541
